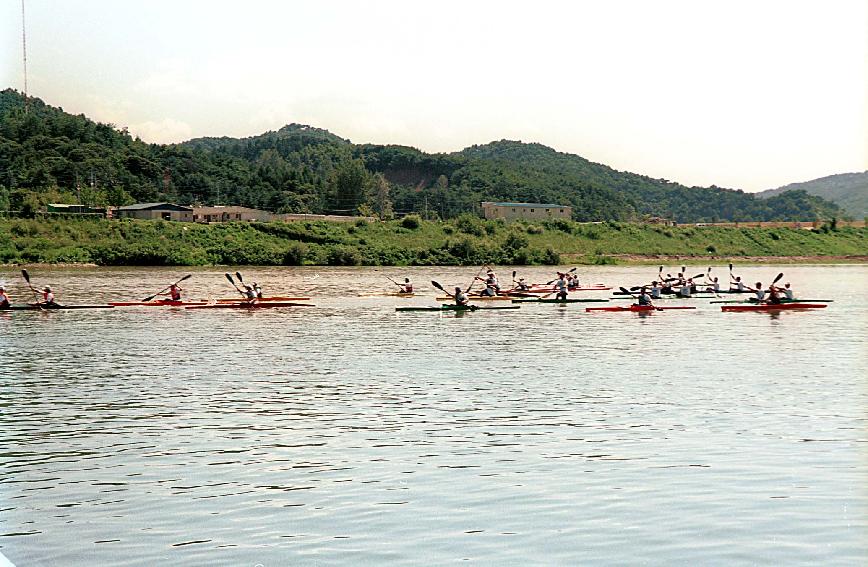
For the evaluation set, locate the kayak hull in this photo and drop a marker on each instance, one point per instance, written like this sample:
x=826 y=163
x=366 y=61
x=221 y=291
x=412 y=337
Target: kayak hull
x=158 y=303
x=33 y=307
x=478 y=298
x=459 y=308
x=773 y=307
x=638 y=308
x=265 y=305
x=540 y=300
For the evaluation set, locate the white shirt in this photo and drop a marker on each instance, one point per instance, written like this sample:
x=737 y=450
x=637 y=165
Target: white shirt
x=788 y=293
x=760 y=295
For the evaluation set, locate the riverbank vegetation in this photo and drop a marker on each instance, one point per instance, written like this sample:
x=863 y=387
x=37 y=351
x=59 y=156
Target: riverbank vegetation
x=465 y=240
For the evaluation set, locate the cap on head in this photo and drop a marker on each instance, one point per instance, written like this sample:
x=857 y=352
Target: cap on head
x=457 y=288
x=785 y=285
x=406 y=280
x=46 y=288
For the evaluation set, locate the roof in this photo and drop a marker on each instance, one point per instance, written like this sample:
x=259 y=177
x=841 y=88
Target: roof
x=530 y=205
x=147 y=206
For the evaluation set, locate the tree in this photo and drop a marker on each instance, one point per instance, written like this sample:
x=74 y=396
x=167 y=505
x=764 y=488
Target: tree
x=350 y=178
x=378 y=196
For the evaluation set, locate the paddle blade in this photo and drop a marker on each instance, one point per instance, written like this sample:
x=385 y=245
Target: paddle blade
x=238 y=275
x=187 y=277
x=26 y=275
x=625 y=290
x=437 y=285
x=229 y=277
x=150 y=297
x=730 y=268
x=697 y=276
x=777 y=279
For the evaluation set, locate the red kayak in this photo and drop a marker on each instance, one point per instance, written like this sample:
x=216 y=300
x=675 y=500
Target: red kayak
x=773 y=307
x=157 y=303
x=638 y=308
x=549 y=289
x=245 y=305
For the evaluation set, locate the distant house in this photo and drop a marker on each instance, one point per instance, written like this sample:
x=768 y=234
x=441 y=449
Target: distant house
x=230 y=213
x=154 y=211
x=509 y=211
x=69 y=210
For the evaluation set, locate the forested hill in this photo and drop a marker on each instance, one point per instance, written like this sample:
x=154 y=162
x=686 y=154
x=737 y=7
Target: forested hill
x=48 y=155
x=847 y=190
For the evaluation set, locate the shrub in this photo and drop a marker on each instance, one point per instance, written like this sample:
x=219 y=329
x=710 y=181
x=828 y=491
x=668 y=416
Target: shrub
x=711 y=249
x=294 y=255
x=535 y=229
x=343 y=256
x=411 y=222
x=470 y=224
x=515 y=240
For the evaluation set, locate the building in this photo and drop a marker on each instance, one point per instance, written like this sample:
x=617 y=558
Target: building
x=534 y=211
x=155 y=211
x=63 y=209
x=230 y=213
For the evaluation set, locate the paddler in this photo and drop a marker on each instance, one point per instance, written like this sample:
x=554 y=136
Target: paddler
x=47 y=297
x=249 y=294
x=406 y=287
x=739 y=285
x=561 y=285
x=521 y=285
x=460 y=297
x=774 y=295
x=174 y=292
x=714 y=287
x=644 y=299
x=491 y=281
x=4 y=299
x=257 y=290
x=759 y=293
x=788 y=293
x=655 y=290
x=686 y=288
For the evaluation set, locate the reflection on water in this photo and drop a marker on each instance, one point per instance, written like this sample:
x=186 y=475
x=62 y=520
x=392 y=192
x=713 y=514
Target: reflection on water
x=352 y=434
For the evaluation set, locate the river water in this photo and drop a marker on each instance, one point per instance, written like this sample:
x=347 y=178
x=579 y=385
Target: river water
x=349 y=434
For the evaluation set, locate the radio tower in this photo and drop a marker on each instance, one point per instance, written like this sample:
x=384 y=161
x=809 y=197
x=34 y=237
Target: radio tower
x=24 y=52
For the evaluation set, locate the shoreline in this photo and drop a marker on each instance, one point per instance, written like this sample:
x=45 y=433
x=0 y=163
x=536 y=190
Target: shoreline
x=566 y=259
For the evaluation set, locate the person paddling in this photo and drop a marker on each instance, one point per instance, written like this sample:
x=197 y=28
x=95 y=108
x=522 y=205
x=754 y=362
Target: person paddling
x=406 y=287
x=686 y=288
x=644 y=300
x=4 y=299
x=47 y=297
x=561 y=285
x=257 y=290
x=774 y=295
x=788 y=293
x=459 y=296
x=521 y=285
x=656 y=290
x=714 y=286
x=174 y=292
x=492 y=287
x=248 y=292
x=759 y=293
x=739 y=285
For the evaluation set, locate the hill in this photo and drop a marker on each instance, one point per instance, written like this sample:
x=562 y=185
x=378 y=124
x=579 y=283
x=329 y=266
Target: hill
x=49 y=155
x=847 y=190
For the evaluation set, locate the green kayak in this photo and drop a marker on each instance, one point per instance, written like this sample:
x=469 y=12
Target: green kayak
x=450 y=307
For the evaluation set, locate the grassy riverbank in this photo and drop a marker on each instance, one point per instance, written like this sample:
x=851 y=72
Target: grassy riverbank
x=466 y=240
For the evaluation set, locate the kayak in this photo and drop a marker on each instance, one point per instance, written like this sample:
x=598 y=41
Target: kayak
x=667 y=297
x=541 y=300
x=257 y=305
x=55 y=307
x=448 y=307
x=273 y=298
x=773 y=307
x=478 y=298
x=550 y=288
x=638 y=308
x=754 y=301
x=157 y=303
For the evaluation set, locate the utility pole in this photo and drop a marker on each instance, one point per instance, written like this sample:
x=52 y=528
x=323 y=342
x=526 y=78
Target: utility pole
x=24 y=52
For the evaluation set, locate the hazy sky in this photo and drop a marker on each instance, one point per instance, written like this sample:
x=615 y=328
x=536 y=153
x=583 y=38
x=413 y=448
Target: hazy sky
x=742 y=94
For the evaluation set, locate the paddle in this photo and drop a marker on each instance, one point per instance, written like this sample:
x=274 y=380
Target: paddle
x=240 y=279
x=150 y=297
x=476 y=277
x=570 y=271
x=35 y=293
x=229 y=277
x=731 y=277
x=393 y=281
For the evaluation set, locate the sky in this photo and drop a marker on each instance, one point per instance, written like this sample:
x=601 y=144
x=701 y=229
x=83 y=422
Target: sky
x=740 y=94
